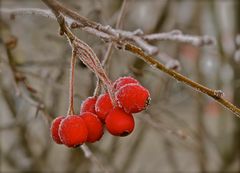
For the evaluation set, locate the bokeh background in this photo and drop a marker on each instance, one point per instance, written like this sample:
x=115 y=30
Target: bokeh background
x=181 y=131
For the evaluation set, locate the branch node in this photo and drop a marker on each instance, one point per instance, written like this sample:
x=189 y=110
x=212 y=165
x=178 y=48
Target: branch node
x=173 y=64
x=138 y=32
x=218 y=93
x=176 y=32
x=207 y=40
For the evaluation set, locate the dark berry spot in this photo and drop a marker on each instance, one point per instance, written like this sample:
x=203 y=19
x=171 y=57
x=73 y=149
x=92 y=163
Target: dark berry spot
x=125 y=133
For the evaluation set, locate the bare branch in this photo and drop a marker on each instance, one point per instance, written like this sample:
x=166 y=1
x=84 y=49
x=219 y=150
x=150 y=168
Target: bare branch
x=109 y=34
x=215 y=94
x=177 y=35
x=28 y=11
x=88 y=154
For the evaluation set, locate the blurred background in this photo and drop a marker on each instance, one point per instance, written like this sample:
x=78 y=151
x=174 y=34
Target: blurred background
x=181 y=131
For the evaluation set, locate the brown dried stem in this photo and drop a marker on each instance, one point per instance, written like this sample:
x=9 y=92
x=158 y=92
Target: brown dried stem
x=215 y=94
x=110 y=46
x=71 y=85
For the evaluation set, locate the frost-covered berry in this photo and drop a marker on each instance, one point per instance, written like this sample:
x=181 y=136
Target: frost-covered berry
x=94 y=125
x=119 y=123
x=73 y=131
x=123 y=81
x=54 y=129
x=88 y=105
x=132 y=98
x=103 y=106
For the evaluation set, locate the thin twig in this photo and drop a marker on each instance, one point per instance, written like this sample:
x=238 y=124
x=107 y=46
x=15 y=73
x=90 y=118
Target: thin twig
x=177 y=35
x=28 y=11
x=179 y=133
x=118 y=23
x=97 y=88
x=107 y=33
x=110 y=46
x=71 y=85
x=215 y=94
x=110 y=34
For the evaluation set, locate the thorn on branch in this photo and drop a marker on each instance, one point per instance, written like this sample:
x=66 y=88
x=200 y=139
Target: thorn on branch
x=75 y=25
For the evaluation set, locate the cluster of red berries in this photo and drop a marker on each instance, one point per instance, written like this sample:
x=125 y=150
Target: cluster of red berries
x=75 y=130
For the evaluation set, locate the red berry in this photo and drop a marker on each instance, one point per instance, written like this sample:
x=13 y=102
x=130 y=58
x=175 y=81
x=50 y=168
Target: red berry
x=94 y=125
x=88 y=105
x=119 y=123
x=73 y=131
x=123 y=81
x=132 y=98
x=54 y=129
x=103 y=106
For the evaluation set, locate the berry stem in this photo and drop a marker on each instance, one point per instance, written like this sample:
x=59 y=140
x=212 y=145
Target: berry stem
x=111 y=95
x=88 y=57
x=109 y=51
x=86 y=54
x=71 y=84
x=97 y=88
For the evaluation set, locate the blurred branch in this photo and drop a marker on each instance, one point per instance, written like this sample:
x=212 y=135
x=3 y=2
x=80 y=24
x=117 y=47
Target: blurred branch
x=160 y=126
x=134 y=149
x=88 y=154
x=28 y=11
x=108 y=53
x=25 y=91
x=118 y=23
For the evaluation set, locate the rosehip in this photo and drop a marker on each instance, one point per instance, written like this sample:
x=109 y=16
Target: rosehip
x=119 y=123
x=88 y=105
x=73 y=131
x=94 y=125
x=123 y=81
x=54 y=129
x=132 y=98
x=103 y=106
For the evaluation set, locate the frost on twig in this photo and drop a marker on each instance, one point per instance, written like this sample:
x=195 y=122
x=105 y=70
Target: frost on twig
x=116 y=37
x=29 y=11
x=177 y=35
x=111 y=33
x=169 y=62
x=33 y=11
x=107 y=33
